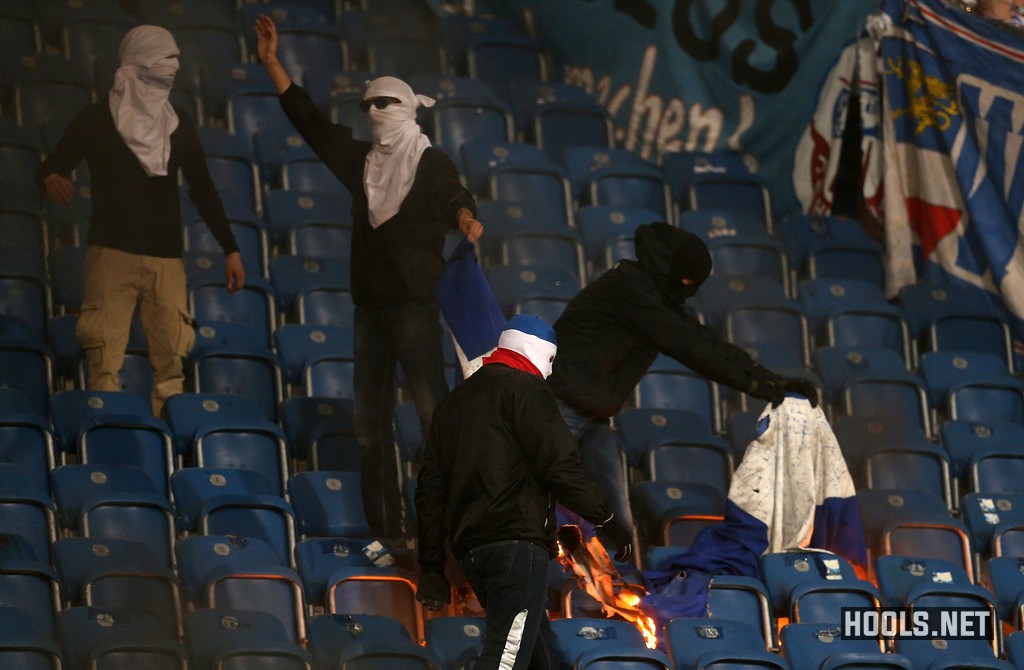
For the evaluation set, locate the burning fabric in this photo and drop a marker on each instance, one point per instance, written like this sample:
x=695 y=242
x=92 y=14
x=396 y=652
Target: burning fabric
x=791 y=491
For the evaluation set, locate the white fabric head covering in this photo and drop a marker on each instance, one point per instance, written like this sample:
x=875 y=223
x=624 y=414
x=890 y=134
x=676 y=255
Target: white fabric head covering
x=139 y=99
x=397 y=147
x=532 y=337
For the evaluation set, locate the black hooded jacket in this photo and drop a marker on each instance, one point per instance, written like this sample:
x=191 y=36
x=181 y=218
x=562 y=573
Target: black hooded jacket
x=498 y=458
x=613 y=329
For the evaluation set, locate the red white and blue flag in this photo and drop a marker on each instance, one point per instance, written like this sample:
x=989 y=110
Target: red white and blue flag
x=953 y=114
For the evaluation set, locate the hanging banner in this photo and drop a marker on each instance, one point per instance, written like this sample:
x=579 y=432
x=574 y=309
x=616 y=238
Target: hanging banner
x=704 y=75
x=954 y=129
x=854 y=77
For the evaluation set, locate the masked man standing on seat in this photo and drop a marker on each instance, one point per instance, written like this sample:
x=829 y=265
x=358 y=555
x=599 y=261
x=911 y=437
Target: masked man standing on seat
x=134 y=143
x=406 y=195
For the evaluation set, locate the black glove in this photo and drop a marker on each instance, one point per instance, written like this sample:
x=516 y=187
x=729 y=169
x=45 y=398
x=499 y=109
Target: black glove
x=616 y=532
x=802 y=387
x=432 y=589
x=767 y=390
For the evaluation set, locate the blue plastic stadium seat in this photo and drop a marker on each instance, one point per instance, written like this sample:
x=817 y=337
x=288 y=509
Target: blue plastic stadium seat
x=698 y=642
x=234 y=501
x=233 y=639
x=117 y=638
x=336 y=637
x=604 y=643
x=23 y=647
x=457 y=640
x=328 y=504
x=671 y=514
x=238 y=572
x=119 y=573
x=322 y=430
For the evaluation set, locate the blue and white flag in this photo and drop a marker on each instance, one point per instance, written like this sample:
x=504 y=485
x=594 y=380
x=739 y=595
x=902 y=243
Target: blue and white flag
x=954 y=131
x=791 y=491
x=469 y=307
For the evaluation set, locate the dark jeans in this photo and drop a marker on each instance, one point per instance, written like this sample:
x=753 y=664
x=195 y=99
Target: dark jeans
x=600 y=456
x=510 y=580
x=409 y=335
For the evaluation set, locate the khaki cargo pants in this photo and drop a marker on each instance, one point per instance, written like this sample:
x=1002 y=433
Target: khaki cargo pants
x=116 y=283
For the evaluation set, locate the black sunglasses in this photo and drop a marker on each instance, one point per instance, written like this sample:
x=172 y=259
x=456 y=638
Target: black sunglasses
x=379 y=103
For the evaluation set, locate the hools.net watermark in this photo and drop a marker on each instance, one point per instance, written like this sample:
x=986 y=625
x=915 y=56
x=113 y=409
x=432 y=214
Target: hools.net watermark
x=948 y=623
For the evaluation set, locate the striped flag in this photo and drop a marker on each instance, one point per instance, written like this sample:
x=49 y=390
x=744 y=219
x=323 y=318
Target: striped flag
x=469 y=307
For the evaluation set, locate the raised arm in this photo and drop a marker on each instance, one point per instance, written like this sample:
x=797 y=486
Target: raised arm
x=266 y=46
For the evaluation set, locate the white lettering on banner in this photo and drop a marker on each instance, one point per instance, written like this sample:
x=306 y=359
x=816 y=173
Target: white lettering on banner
x=656 y=126
x=985 y=99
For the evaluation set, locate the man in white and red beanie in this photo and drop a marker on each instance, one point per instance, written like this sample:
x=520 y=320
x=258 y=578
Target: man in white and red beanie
x=498 y=460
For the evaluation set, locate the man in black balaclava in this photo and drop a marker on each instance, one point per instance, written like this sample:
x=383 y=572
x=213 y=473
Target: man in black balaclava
x=614 y=328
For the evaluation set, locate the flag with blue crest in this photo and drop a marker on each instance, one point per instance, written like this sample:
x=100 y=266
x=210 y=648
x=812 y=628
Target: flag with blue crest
x=954 y=133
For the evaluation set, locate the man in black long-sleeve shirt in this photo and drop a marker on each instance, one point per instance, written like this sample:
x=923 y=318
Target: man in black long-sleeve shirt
x=134 y=143
x=498 y=460
x=406 y=196
x=613 y=329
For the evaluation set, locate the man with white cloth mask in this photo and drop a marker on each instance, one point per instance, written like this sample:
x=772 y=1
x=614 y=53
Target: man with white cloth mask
x=406 y=195
x=135 y=142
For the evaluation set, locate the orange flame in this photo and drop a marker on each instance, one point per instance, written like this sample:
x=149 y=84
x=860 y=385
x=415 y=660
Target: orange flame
x=597 y=575
x=645 y=624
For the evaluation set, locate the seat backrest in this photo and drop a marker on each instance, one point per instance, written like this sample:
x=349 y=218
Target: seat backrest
x=499 y=60
x=898 y=575
x=311 y=176
x=745 y=195
x=326 y=307
x=116 y=638
x=231 y=371
x=658 y=506
x=997 y=472
x=823 y=603
x=193 y=487
x=328 y=504
x=78 y=485
x=514 y=283
x=686 y=639
x=241 y=638
x=457 y=640
x=381 y=591
x=943 y=370
x=293 y=274
x=925 y=304
x=839 y=365
x=782 y=572
x=560 y=250
x=456 y=122
x=574 y=636
x=478 y=157
x=252 y=113
x=277 y=592
x=985 y=512
x=331 y=634
x=187 y=412
x=778 y=325
x=869 y=326
x=641 y=427
x=946 y=540
x=202 y=557
x=302 y=345
x=307 y=47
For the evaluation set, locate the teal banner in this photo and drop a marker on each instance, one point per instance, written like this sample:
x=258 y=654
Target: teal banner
x=703 y=75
